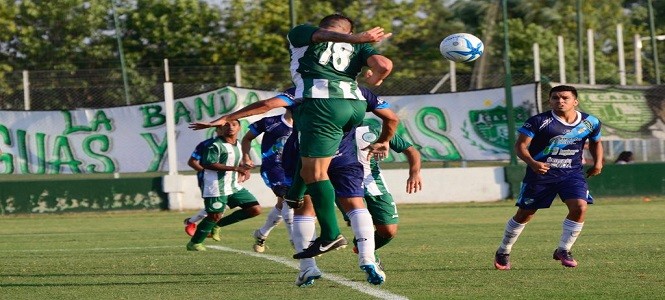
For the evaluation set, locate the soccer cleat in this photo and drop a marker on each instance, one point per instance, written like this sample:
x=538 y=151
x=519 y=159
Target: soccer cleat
x=259 y=241
x=190 y=228
x=195 y=247
x=216 y=233
x=307 y=277
x=566 y=258
x=502 y=261
x=319 y=246
x=375 y=274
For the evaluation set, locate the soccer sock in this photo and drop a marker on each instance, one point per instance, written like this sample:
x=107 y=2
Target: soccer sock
x=274 y=217
x=287 y=215
x=202 y=231
x=571 y=230
x=363 y=229
x=298 y=187
x=304 y=231
x=323 y=199
x=510 y=235
x=198 y=216
x=235 y=217
x=380 y=241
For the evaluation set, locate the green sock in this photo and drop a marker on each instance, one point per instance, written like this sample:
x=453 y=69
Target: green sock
x=298 y=187
x=380 y=241
x=323 y=198
x=235 y=217
x=202 y=231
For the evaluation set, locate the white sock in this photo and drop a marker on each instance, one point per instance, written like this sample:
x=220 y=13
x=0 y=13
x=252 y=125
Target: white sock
x=304 y=232
x=363 y=229
x=571 y=230
x=198 y=216
x=510 y=235
x=287 y=215
x=274 y=217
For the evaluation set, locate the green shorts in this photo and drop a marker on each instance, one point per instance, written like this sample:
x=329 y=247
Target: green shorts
x=382 y=208
x=242 y=198
x=321 y=124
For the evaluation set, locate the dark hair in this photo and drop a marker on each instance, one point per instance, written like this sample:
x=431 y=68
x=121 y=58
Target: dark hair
x=624 y=156
x=333 y=20
x=655 y=95
x=564 y=88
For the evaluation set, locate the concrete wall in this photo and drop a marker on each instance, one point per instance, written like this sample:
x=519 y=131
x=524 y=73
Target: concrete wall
x=439 y=185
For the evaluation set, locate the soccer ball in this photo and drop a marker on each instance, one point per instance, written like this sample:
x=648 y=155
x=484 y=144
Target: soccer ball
x=461 y=47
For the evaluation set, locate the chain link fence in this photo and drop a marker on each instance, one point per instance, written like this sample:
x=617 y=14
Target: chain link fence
x=102 y=88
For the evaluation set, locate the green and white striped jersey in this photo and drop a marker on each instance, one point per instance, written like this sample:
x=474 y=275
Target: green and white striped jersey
x=325 y=70
x=220 y=183
x=373 y=179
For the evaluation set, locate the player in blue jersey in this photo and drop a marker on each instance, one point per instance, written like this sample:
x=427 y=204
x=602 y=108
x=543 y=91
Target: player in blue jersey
x=276 y=131
x=551 y=144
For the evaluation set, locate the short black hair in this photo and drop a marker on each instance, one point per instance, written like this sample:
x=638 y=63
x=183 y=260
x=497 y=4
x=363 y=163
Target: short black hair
x=564 y=88
x=333 y=20
x=655 y=95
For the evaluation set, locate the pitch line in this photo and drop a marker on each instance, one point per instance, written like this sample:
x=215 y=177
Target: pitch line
x=361 y=287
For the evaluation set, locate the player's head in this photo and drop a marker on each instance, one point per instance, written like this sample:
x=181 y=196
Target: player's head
x=230 y=129
x=563 y=88
x=337 y=22
x=655 y=97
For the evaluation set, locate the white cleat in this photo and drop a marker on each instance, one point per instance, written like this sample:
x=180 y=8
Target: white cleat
x=375 y=275
x=307 y=277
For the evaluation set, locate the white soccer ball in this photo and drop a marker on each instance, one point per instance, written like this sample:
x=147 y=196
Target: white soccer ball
x=461 y=47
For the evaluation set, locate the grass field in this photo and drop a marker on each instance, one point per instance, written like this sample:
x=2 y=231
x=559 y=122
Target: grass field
x=443 y=251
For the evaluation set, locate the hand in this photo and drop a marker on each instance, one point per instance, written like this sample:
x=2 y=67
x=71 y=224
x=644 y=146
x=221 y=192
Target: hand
x=373 y=35
x=243 y=173
x=378 y=150
x=593 y=171
x=199 y=125
x=370 y=80
x=540 y=167
x=247 y=161
x=414 y=184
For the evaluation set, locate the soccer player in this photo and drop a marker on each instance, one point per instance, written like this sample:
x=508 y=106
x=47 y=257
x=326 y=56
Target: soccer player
x=276 y=131
x=220 y=186
x=551 y=145
x=376 y=195
x=325 y=62
x=194 y=163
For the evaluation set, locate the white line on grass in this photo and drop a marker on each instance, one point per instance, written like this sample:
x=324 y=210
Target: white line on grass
x=361 y=287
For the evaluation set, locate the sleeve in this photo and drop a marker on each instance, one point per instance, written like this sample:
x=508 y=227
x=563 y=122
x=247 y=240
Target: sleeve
x=257 y=127
x=373 y=101
x=529 y=127
x=196 y=154
x=210 y=155
x=366 y=50
x=398 y=144
x=301 y=35
x=596 y=132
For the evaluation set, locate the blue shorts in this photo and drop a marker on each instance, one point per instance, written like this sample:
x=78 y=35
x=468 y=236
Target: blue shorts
x=276 y=179
x=540 y=195
x=347 y=181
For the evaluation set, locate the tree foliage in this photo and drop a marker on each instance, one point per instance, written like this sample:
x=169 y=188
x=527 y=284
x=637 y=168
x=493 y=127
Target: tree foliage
x=72 y=36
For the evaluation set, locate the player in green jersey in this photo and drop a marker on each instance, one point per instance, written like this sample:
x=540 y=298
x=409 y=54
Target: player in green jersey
x=325 y=62
x=220 y=186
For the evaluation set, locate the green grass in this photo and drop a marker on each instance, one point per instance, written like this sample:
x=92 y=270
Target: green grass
x=443 y=251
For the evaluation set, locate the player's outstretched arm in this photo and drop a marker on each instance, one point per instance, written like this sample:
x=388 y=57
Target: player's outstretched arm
x=373 y=35
x=596 y=150
x=246 y=146
x=379 y=68
x=414 y=182
x=253 y=109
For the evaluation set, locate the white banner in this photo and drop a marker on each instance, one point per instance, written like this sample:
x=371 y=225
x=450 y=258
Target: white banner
x=455 y=126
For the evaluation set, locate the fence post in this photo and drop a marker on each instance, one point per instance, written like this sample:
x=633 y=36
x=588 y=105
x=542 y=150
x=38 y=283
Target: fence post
x=592 y=56
x=238 y=76
x=26 y=90
x=453 y=76
x=622 y=58
x=536 y=76
x=562 y=60
x=637 y=43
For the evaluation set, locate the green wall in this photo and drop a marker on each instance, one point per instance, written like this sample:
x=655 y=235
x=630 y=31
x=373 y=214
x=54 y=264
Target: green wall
x=641 y=179
x=75 y=195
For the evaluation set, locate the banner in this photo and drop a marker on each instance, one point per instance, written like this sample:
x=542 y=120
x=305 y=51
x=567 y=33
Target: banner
x=454 y=126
